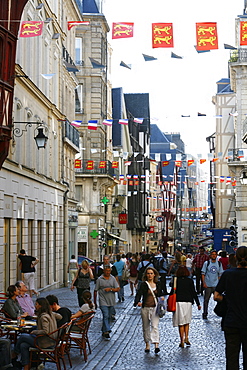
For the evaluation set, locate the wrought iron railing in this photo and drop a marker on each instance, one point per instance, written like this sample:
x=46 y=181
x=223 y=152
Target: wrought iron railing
x=71 y=133
x=238 y=55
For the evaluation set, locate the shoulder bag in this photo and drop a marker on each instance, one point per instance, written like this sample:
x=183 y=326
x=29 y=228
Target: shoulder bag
x=172 y=299
x=160 y=308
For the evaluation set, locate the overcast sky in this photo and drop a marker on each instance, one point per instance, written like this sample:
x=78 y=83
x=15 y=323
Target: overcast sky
x=176 y=86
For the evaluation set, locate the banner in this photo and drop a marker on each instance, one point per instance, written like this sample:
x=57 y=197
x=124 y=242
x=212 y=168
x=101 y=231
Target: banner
x=165 y=163
x=162 y=35
x=77 y=23
x=90 y=165
x=114 y=164
x=122 y=30
x=243 y=33
x=206 y=36
x=77 y=163
x=102 y=164
x=31 y=29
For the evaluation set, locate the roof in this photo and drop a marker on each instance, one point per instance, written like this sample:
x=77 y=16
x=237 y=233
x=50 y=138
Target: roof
x=138 y=106
x=89 y=6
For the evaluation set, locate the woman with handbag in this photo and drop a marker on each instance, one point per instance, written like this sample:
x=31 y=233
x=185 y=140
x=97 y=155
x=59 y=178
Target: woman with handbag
x=149 y=290
x=185 y=297
x=82 y=280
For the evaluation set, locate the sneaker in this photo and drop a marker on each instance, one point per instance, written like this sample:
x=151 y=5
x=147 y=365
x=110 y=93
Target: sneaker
x=122 y=299
x=113 y=317
x=204 y=316
x=106 y=335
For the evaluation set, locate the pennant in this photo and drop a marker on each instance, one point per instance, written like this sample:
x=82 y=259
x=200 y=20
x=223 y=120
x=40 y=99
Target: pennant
x=77 y=163
x=228 y=180
x=70 y=67
x=102 y=164
x=214 y=159
x=190 y=162
x=173 y=55
x=92 y=124
x=178 y=163
x=165 y=163
x=93 y=151
x=31 y=29
x=162 y=35
x=121 y=177
x=206 y=36
x=77 y=23
x=107 y=122
x=127 y=163
x=114 y=164
x=90 y=165
x=135 y=176
x=226 y=46
x=138 y=120
x=148 y=58
x=131 y=182
x=123 y=121
x=222 y=178
x=48 y=76
x=76 y=123
x=122 y=64
x=201 y=114
x=235 y=114
x=96 y=64
x=122 y=30
x=128 y=176
x=243 y=33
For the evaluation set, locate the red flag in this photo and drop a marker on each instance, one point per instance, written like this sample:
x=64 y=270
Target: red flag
x=90 y=165
x=178 y=163
x=77 y=23
x=243 y=33
x=206 y=36
x=190 y=162
x=31 y=28
x=77 y=163
x=162 y=35
x=102 y=164
x=122 y=30
x=114 y=164
x=234 y=183
x=165 y=163
x=202 y=161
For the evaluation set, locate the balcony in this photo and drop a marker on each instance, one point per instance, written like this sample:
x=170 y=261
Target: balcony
x=237 y=155
x=97 y=170
x=238 y=56
x=71 y=133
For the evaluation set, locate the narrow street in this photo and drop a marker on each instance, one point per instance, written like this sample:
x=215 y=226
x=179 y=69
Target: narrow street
x=125 y=349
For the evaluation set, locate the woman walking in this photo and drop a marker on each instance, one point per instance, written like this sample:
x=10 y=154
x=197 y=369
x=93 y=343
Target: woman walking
x=149 y=290
x=72 y=268
x=133 y=264
x=186 y=294
x=233 y=284
x=84 y=275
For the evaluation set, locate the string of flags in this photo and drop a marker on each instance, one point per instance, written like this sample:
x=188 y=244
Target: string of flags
x=93 y=124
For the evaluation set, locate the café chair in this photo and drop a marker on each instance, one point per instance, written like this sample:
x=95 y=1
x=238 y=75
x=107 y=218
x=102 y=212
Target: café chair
x=57 y=350
x=79 y=333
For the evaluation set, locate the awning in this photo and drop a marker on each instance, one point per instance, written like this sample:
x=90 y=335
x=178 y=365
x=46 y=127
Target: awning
x=116 y=237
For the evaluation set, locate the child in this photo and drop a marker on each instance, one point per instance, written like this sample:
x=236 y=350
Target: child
x=87 y=306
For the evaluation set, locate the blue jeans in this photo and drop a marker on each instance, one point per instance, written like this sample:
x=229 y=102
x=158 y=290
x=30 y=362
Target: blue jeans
x=120 y=293
x=24 y=342
x=107 y=312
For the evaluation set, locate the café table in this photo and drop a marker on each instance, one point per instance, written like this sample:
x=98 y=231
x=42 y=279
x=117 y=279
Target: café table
x=12 y=329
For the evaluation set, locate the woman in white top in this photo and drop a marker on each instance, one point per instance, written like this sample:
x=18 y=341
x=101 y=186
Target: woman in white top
x=189 y=263
x=86 y=307
x=72 y=268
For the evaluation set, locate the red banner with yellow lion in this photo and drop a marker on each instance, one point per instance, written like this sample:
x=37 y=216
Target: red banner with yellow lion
x=162 y=35
x=31 y=29
x=206 y=36
x=243 y=33
x=122 y=30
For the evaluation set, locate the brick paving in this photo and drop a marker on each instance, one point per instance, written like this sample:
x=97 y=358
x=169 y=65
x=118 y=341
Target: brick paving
x=125 y=349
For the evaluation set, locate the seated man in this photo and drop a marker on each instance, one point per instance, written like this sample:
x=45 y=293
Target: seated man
x=24 y=299
x=63 y=311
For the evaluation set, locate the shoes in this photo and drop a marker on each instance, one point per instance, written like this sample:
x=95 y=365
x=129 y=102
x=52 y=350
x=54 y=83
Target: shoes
x=157 y=350
x=113 y=317
x=181 y=345
x=119 y=301
x=187 y=341
x=204 y=316
x=122 y=299
x=147 y=350
x=106 y=335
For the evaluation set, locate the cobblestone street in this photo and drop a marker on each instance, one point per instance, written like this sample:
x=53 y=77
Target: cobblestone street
x=125 y=350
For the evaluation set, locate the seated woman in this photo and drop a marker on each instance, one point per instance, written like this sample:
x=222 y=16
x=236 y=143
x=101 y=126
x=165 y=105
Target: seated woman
x=11 y=307
x=46 y=323
x=86 y=307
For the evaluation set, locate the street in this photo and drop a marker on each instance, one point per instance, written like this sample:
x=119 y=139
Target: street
x=125 y=350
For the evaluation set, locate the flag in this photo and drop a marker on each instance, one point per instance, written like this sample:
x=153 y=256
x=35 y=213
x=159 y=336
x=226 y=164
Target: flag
x=77 y=163
x=107 y=122
x=76 y=123
x=127 y=163
x=235 y=114
x=234 y=182
x=226 y=46
x=92 y=124
x=77 y=23
x=201 y=114
x=96 y=64
x=215 y=159
x=165 y=163
x=243 y=33
x=121 y=177
x=178 y=163
x=90 y=165
x=162 y=35
x=222 y=178
x=47 y=76
x=228 y=180
x=122 y=64
x=148 y=58
x=135 y=176
x=114 y=164
x=71 y=67
x=138 y=120
x=206 y=36
x=190 y=162
x=123 y=121
x=31 y=29
x=173 y=55
x=122 y=30
x=102 y=164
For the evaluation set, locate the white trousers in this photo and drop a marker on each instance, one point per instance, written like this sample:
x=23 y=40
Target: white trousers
x=150 y=325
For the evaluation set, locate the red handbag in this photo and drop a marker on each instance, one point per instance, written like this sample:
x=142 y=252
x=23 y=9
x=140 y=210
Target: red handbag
x=172 y=299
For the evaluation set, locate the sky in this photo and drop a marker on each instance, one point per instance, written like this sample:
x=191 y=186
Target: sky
x=176 y=86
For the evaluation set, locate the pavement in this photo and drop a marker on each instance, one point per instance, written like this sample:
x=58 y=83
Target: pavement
x=125 y=349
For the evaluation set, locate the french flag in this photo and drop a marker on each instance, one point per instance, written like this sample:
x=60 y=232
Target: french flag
x=107 y=122
x=92 y=124
x=123 y=121
x=138 y=120
x=76 y=123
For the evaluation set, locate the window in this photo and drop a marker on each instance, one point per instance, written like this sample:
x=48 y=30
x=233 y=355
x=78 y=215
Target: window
x=78 y=51
x=78 y=99
x=7 y=233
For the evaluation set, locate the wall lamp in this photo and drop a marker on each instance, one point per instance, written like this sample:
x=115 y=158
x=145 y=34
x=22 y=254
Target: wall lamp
x=40 y=138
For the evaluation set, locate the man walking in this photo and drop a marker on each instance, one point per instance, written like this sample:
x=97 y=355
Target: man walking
x=119 y=265
x=106 y=286
x=211 y=272
x=197 y=264
x=24 y=299
x=28 y=270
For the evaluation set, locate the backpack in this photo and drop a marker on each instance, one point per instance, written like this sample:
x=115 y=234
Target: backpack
x=133 y=269
x=158 y=263
x=208 y=262
x=142 y=270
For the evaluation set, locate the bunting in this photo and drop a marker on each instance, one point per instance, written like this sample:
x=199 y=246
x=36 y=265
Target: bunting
x=107 y=122
x=77 y=23
x=206 y=36
x=165 y=163
x=162 y=35
x=31 y=28
x=92 y=124
x=190 y=162
x=122 y=30
x=123 y=121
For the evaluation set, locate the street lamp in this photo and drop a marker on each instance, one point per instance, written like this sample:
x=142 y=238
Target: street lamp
x=40 y=138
